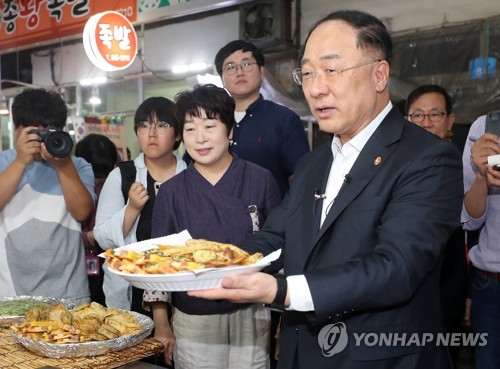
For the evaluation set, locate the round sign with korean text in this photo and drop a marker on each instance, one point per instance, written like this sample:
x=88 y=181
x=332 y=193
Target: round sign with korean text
x=110 y=41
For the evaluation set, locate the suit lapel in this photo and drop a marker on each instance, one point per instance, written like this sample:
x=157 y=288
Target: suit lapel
x=316 y=182
x=369 y=162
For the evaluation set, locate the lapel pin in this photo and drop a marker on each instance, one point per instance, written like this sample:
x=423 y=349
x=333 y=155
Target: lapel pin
x=377 y=160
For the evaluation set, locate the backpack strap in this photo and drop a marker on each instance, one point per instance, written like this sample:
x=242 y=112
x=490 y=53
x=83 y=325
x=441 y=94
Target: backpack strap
x=128 y=172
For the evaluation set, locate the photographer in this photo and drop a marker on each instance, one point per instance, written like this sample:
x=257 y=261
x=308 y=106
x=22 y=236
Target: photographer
x=481 y=211
x=43 y=199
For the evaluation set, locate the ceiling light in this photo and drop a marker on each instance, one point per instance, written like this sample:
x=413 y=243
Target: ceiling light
x=185 y=68
x=95 y=98
x=179 y=69
x=93 y=81
x=196 y=67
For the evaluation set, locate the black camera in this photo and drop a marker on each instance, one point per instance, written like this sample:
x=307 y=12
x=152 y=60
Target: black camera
x=57 y=143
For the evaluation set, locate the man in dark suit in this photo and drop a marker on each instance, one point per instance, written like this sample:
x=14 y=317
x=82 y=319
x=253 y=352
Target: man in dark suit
x=431 y=107
x=365 y=221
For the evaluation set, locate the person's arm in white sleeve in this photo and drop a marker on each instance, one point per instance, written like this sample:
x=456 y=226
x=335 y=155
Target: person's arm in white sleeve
x=108 y=230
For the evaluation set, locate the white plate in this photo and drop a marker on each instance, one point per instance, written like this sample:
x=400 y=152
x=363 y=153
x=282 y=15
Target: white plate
x=200 y=279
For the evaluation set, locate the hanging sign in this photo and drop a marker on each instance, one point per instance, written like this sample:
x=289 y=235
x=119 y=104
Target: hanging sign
x=110 y=41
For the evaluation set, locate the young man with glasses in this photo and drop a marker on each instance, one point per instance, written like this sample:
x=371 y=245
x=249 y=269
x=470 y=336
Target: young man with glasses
x=267 y=134
x=430 y=107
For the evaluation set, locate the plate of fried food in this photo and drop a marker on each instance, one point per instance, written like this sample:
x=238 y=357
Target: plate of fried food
x=162 y=265
x=88 y=330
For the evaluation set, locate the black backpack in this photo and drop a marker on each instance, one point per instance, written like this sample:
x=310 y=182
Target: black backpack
x=128 y=172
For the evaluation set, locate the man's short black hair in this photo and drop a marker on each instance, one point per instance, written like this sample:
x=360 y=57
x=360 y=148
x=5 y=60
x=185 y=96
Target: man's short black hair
x=234 y=46
x=372 y=35
x=39 y=107
x=426 y=89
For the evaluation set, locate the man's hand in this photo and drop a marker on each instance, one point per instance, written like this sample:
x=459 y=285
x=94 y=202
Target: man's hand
x=57 y=162
x=492 y=176
x=28 y=147
x=488 y=144
x=247 y=288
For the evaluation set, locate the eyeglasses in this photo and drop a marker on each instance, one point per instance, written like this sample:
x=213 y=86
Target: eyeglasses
x=303 y=75
x=231 y=68
x=434 y=116
x=143 y=128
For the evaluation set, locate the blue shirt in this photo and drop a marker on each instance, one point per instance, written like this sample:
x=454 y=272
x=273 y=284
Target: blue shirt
x=272 y=136
x=41 y=250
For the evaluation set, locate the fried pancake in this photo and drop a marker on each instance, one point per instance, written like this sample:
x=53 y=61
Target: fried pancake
x=195 y=254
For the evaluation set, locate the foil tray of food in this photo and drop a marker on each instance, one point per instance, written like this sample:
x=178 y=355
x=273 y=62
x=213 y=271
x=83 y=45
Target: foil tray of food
x=181 y=263
x=89 y=348
x=13 y=309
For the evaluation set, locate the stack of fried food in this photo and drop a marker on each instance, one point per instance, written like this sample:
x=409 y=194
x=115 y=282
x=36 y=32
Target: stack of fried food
x=167 y=259
x=91 y=322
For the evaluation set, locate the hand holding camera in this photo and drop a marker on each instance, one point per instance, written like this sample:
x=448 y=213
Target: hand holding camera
x=58 y=143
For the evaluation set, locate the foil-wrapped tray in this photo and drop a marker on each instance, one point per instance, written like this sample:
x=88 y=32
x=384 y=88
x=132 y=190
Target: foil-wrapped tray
x=25 y=303
x=95 y=348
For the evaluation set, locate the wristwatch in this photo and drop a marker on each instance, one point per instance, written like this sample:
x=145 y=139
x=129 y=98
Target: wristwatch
x=282 y=288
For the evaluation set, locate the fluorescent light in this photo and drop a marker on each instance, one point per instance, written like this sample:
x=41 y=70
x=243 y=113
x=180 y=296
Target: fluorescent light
x=196 y=67
x=193 y=67
x=179 y=69
x=93 y=81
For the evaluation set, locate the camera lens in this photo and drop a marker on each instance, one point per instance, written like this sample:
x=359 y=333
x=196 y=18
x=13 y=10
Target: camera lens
x=59 y=143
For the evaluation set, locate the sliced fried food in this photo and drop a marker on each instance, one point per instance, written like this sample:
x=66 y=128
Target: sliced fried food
x=91 y=322
x=168 y=259
x=109 y=331
x=252 y=259
x=60 y=314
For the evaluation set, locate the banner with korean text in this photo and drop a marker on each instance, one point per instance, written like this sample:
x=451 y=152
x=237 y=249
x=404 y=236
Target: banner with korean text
x=26 y=22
